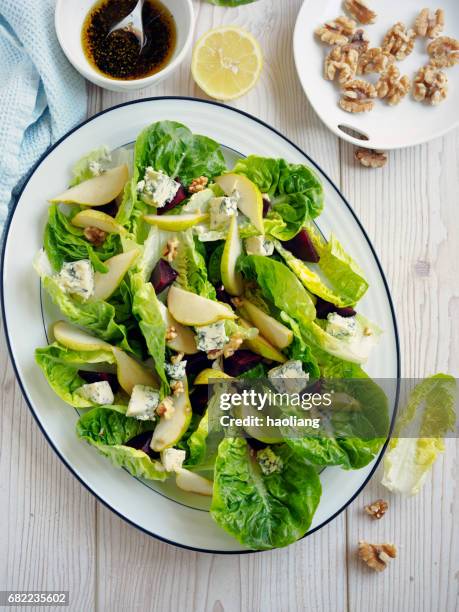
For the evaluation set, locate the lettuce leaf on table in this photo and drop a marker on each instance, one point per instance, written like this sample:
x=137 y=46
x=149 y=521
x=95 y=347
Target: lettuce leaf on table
x=263 y=511
x=108 y=429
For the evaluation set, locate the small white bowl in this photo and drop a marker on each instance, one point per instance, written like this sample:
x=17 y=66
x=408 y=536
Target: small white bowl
x=69 y=19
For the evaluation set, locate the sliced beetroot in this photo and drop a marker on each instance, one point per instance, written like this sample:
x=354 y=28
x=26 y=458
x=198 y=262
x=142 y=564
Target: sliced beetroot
x=142 y=442
x=162 y=276
x=109 y=209
x=222 y=294
x=199 y=399
x=176 y=200
x=255 y=444
x=302 y=247
x=93 y=377
x=266 y=206
x=197 y=363
x=324 y=308
x=240 y=362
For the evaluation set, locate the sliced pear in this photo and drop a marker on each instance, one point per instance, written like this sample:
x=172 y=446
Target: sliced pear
x=208 y=374
x=192 y=309
x=232 y=280
x=185 y=341
x=106 y=284
x=96 y=191
x=96 y=218
x=264 y=433
x=262 y=347
x=169 y=430
x=131 y=373
x=175 y=223
x=193 y=483
x=276 y=333
x=251 y=202
x=76 y=339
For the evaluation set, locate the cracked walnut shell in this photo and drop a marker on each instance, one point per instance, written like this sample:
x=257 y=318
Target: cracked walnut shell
x=430 y=85
x=357 y=96
x=377 y=556
x=360 y=11
x=375 y=60
x=341 y=62
x=444 y=52
x=336 y=32
x=399 y=41
x=370 y=158
x=392 y=87
x=430 y=25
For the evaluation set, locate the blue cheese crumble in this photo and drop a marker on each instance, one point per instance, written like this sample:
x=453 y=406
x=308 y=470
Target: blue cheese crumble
x=157 y=189
x=289 y=377
x=96 y=168
x=211 y=337
x=143 y=403
x=222 y=209
x=77 y=278
x=269 y=462
x=343 y=328
x=259 y=245
x=176 y=371
x=99 y=393
x=172 y=459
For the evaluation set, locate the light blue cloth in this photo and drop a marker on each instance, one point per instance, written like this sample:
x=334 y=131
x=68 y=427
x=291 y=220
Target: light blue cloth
x=41 y=95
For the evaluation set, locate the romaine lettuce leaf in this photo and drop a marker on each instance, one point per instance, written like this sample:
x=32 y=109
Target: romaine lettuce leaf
x=429 y=414
x=135 y=461
x=60 y=367
x=263 y=511
x=191 y=266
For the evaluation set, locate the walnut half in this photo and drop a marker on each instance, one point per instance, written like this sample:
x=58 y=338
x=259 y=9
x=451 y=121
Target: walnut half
x=392 y=87
x=360 y=11
x=341 y=62
x=444 y=52
x=430 y=85
x=358 y=96
x=430 y=25
x=95 y=235
x=399 y=41
x=375 y=60
x=336 y=32
x=370 y=158
x=377 y=509
x=377 y=556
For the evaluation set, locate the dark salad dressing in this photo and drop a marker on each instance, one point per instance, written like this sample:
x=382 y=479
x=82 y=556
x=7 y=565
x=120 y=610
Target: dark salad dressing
x=118 y=55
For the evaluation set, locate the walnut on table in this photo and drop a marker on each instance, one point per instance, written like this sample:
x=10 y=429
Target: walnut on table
x=341 y=62
x=370 y=158
x=399 y=41
x=357 y=96
x=430 y=85
x=392 y=87
x=444 y=52
x=336 y=32
x=360 y=11
x=430 y=25
x=375 y=60
x=377 y=556
x=377 y=509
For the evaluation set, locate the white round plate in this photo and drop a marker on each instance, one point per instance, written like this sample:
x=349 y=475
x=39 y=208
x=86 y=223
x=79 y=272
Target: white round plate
x=385 y=127
x=155 y=508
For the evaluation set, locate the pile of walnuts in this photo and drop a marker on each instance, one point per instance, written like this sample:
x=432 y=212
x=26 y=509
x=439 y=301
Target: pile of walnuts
x=352 y=57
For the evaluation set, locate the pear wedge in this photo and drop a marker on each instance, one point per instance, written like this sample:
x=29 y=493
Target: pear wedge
x=208 y=374
x=193 y=483
x=232 y=280
x=169 y=431
x=191 y=309
x=106 y=284
x=276 y=333
x=76 y=339
x=262 y=347
x=185 y=341
x=175 y=223
x=96 y=218
x=264 y=433
x=96 y=191
x=251 y=202
x=131 y=373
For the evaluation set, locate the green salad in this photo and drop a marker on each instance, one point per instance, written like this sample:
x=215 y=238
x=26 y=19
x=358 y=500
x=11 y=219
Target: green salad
x=172 y=270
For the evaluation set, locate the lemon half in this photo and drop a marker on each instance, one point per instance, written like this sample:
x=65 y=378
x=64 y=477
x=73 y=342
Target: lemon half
x=227 y=62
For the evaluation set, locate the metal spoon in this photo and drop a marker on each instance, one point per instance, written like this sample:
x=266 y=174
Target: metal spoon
x=132 y=23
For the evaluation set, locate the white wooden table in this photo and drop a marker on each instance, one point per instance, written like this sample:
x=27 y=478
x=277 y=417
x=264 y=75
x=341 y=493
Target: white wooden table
x=55 y=535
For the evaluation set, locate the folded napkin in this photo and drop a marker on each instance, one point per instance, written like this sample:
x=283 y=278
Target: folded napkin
x=41 y=95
